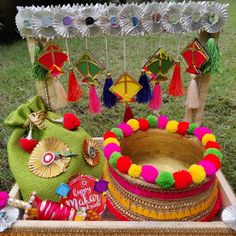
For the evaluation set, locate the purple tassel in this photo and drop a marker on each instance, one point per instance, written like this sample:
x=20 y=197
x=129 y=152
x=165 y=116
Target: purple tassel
x=144 y=95
x=109 y=99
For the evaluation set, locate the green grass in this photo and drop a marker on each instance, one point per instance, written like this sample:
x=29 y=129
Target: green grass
x=16 y=86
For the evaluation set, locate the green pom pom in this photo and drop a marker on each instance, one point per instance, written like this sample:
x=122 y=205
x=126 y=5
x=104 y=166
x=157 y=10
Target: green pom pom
x=113 y=158
x=165 y=180
x=213 y=151
x=38 y=72
x=191 y=128
x=118 y=132
x=213 y=64
x=152 y=120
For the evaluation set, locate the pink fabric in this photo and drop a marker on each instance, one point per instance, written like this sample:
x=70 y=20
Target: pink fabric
x=162 y=122
x=126 y=129
x=199 y=132
x=164 y=195
x=4 y=196
x=94 y=101
x=156 y=101
x=149 y=173
x=110 y=148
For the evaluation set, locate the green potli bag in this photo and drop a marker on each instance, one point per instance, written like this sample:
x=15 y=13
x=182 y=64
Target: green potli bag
x=50 y=134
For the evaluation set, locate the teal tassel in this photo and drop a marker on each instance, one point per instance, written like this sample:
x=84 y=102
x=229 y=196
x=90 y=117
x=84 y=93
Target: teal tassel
x=213 y=64
x=38 y=72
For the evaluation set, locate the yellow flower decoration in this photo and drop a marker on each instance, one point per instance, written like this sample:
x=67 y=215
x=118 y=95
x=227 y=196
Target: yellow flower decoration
x=134 y=124
x=172 y=126
x=208 y=137
x=198 y=173
x=111 y=140
x=135 y=170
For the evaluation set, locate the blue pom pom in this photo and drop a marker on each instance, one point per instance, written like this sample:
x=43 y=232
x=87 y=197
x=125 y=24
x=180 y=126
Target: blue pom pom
x=109 y=99
x=63 y=190
x=144 y=95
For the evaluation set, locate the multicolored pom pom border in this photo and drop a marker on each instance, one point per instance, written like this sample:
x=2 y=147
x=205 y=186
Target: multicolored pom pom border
x=181 y=179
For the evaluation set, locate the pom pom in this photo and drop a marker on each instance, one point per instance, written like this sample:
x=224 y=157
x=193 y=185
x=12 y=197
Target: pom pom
x=156 y=101
x=110 y=148
x=213 y=159
x=128 y=114
x=191 y=128
x=111 y=140
x=143 y=124
x=172 y=126
x=144 y=95
x=176 y=86
x=208 y=166
x=109 y=134
x=123 y=164
x=152 y=120
x=149 y=173
x=126 y=129
x=183 y=128
x=113 y=158
x=118 y=132
x=165 y=180
x=199 y=132
x=198 y=173
x=74 y=90
x=182 y=179
x=71 y=121
x=211 y=144
x=135 y=171
x=109 y=99
x=134 y=124
x=28 y=144
x=94 y=102
x=4 y=196
x=208 y=137
x=213 y=151
x=162 y=122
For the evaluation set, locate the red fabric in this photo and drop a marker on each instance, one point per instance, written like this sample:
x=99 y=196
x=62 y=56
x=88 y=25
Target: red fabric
x=183 y=128
x=123 y=164
x=182 y=179
x=71 y=121
x=74 y=90
x=214 y=159
x=143 y=124
x=212 y=144
x=115 y=212
x=128 y=114
x=109 y=134
x=28 y=144
x=176 y=86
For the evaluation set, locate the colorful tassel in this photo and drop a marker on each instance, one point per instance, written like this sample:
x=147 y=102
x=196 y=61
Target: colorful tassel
x=74 y=90
x=176 y=86
x=213 y=65
x=38 y=72
x=156 y=101
x=94 y=102
x=60 y=93
x=144 y=95
x=109 y=99
x=192 y=99
x=128 y=113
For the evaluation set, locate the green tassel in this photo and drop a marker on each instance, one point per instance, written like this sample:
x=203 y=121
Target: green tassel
x=38 y=72
x=213 y=64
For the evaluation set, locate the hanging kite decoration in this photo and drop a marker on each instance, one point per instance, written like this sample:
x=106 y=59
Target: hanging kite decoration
x=125 y=88
x=90 y=68
x=158 y=66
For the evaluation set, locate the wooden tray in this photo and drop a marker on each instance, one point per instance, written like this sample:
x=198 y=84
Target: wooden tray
x=111 y=227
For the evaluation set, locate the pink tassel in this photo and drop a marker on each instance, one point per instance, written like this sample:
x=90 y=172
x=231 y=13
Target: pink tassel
x=94 y=102
x=156 y=102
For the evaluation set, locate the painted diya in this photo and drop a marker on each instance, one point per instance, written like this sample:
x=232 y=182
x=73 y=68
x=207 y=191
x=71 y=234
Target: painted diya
x=162 y=170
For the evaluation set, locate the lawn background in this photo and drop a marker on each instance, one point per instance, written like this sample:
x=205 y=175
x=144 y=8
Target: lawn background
x=16 y=86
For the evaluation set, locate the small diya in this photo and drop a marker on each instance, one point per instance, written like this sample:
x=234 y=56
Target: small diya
x=162 y=170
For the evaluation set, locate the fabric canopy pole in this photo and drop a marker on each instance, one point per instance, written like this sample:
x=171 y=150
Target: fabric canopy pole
x=197 y=115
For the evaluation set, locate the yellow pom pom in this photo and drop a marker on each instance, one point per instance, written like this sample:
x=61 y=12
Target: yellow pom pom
x=134 y=124
x=198 y=173
x=135 y=171
x=111 y=140
x=208 y=137
x=172 y=126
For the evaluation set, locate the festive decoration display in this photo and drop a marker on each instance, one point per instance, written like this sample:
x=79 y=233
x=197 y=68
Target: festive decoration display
x=90 y=152
x=130 y=19
x=135 y=185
